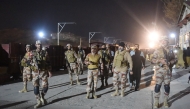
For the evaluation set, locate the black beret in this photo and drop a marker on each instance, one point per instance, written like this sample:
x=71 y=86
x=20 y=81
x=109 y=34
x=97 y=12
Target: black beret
x=122 y=44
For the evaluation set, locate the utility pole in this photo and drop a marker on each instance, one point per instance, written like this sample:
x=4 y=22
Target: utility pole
x=106 y=39
x=62 y=25
x=91 y=34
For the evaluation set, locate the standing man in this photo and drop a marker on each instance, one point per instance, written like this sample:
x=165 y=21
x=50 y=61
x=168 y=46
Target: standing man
x=105 y=56
x=80 y=59
x=27 y=73
x=71 y=57
x=164 y=60
x=92 y=60
x=121 y=59
x=180 y=61
x=138 y=64
x=111 y=56
x=40 y=71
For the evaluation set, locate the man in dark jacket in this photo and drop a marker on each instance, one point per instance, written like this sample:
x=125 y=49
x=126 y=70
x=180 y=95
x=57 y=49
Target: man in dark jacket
x=138 y=64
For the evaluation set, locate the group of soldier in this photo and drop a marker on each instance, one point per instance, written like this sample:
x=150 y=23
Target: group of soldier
x=101 y=62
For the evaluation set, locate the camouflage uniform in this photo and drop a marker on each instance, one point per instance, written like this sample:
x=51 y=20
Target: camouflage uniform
x=121 y=59
x=93 y=71
x=40 y=68
x=163 y=72
x=71 y=58
x=25 y=62
x=80 y=60
x=105 y=55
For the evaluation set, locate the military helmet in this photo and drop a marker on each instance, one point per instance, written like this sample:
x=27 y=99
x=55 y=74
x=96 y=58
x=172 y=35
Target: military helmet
x=38 y=42
x=68 y=45
x=27 y=46
x=163 y=38
x=107 y=45
x=79 y=46
x=94 y=46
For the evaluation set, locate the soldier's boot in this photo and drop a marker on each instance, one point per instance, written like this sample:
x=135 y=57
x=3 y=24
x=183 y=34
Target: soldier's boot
x=116 y=93
x=106 y=82
x=24 y=90
x=78 y=82
x=102 y=86
x=94 y=95
x=156 y=102
x=71 y=82
x=122 y=93
x=43 y=100
x=39 y=104
x=87 y=95
x=166 y=102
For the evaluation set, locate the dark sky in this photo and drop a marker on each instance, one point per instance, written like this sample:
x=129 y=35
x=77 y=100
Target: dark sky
x=126 y=19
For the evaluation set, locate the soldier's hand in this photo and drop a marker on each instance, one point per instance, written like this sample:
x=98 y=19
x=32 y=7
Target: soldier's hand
x=131 y=72
x=143 y=68
x=112 y=69
x=90 y=62
x=50 y=74
x=162 y=61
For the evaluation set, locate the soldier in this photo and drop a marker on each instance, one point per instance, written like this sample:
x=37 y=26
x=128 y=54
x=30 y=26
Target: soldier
x=164 y=60
x=40 y=70
x=92 y=60
x=180 y=61
x=27 y=73
x=111 y=56
x=80 y=60
x=71 y=57
x=121 y=59
x=105 y=55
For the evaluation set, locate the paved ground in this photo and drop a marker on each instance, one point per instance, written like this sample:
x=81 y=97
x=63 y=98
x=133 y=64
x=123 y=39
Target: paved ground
x=62 y=95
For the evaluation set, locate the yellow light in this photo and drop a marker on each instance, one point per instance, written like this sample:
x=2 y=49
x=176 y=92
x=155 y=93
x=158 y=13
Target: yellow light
x=151 y=45
x=153 y=35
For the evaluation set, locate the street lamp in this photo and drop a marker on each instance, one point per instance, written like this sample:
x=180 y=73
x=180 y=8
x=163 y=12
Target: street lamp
x=173 y=36
x=41 y=34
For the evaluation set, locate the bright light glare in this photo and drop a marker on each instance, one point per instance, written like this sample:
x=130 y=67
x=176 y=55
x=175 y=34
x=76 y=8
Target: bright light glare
x=172 y=35
x=151 y=45
x=153 y=35
x=41 y=34
x=175 y=51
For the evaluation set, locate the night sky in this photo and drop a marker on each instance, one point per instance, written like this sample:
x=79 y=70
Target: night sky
x=127 y=19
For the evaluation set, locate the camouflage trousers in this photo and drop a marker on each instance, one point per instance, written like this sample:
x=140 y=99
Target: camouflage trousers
x=37 y=76
x=42 y=75
x=162 y=75
x=80 y=64
x=73 y=69
x=120 y=76
x=92 y=74
x=105 y=73
x=27 y=74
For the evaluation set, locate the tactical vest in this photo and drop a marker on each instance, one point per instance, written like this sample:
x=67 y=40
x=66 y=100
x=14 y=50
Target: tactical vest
x=70 y=56
x=119 y=59
x=94 y=59
x=104 y=55
x=80 y=53
x=40 y=58
x=26 y=56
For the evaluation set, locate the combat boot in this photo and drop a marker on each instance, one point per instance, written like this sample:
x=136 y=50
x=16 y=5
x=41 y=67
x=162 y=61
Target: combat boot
x=78 y=82
x=156 y=102
x=116 y=93
x=24 y=90
x=122 y=93
x=71 y=82
x=43 y=100
x=166 y=102
x=38 y=104
x=87 y=95
x=106 y=82
x=94 y=95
